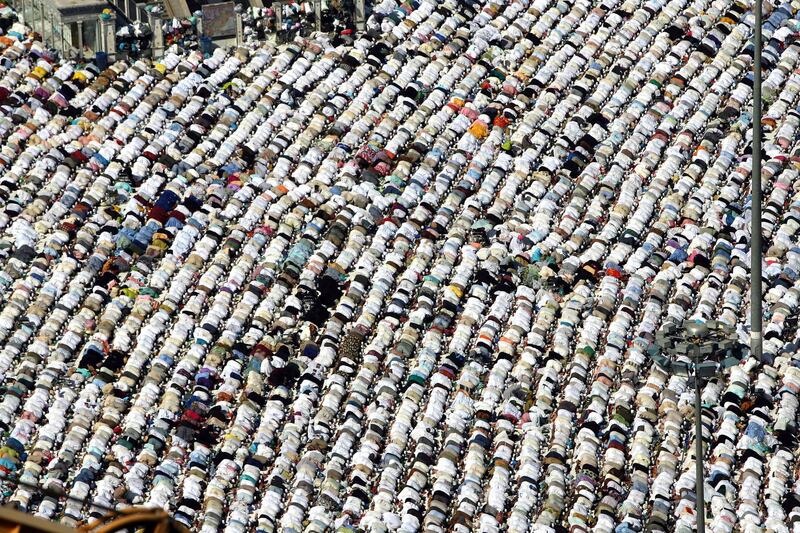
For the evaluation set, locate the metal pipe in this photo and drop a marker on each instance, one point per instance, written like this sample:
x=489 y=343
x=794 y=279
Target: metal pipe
x=700 y=504
x=239 y=30
x=278 y=6
x=755 y=202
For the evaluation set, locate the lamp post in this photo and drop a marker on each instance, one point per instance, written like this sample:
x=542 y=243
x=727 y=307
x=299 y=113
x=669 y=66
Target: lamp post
x=700 y=351
x=755 y=200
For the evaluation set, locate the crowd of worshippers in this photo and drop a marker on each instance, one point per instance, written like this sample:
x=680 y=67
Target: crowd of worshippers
x=300 y=19
x=406 y=281
x=135 y=39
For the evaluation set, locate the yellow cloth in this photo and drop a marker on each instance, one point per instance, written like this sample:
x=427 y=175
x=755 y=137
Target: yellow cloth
x=458 y=292
x=130 y=293
x=479 y=130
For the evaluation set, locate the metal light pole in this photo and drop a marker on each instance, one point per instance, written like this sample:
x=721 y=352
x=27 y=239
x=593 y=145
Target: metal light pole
x=698 y=350
x=755 y=202
x=699 y=478
x=278 y=7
